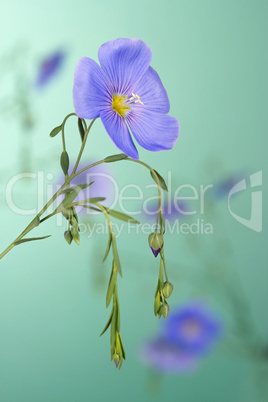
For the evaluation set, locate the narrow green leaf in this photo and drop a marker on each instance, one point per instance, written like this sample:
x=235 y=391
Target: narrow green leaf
x=75 y=234
x=161 y=180
x=75 y=215
x=91 y=200
x=114 y=158
x=113 y=328
x=64 y=162
x=108 y=323
x=55 y=131
x=90 y=207
x=77 y=188
x=111 y=286
x=108 y=247
x=116 y=257
x=81 y=128
x=66 y=203
x=122 y=346
x=121 y=216
x=30 y=239
x=157 y=303
x=158 y=288
x=118 y=318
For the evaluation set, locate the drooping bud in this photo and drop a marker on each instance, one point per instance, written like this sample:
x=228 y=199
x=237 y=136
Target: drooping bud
x=75 y=234
x=156 y=242
x=116 y=359
x=68 y=236
x=167 y=289
x=164 y=310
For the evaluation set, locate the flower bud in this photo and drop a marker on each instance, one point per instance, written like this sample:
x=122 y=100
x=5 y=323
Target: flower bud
x=75 y=234
x=116 y=359
x=164 y=310
x=156 y=242
x=167 y=289
x=68 y=236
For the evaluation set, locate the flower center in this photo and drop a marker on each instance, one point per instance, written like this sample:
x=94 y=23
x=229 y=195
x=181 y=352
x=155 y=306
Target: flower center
x=191 y=328
x=121 y=103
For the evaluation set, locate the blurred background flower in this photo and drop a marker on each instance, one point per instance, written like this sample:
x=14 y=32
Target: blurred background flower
x=50 y=67
x=104 y=185
x=193 y=327
x=165 y=356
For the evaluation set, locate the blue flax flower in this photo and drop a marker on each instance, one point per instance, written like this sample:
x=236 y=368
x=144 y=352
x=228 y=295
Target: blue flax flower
x=49 y=67
x=166 y=356
x=127 y=94
x=193 y=327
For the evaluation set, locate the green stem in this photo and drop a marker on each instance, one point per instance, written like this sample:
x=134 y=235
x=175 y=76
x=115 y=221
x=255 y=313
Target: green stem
x=62 y=130
x=164 y=263
x=82 y=147
x=140 y=163
x=158 y=185
x=32 y=224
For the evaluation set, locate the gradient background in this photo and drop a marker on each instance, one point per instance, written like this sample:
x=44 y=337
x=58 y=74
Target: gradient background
x=212 y=59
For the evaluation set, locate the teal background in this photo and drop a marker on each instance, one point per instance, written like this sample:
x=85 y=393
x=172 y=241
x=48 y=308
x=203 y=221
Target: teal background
x=212 y=59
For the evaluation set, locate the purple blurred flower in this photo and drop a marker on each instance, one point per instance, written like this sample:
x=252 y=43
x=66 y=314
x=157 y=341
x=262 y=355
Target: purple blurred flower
x=166 y=356
x=193 y=327
x=103 y=186
x=223 y=187
x=50 y=67
x=127 y=94
x=171 y=210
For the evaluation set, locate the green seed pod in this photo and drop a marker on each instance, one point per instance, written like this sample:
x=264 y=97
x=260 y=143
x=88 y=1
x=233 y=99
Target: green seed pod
x=164 y=310
x=68 y=236
x=167 y=289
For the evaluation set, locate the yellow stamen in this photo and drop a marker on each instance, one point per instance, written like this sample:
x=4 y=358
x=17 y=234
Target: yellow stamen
x=121 y=103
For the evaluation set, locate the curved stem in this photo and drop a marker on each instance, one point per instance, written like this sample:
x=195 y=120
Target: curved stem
x=62 y=130
x=88 y=167
x=158 y=185
x=32 y=224
x=140 y=163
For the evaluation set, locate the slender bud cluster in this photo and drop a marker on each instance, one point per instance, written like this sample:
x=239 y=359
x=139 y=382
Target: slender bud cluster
x=164 y=289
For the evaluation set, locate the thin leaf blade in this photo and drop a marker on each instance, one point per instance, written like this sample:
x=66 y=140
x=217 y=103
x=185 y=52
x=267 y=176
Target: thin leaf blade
x=121 y=216
x=115 y=158
x=162 y=182
x=108 y=323
x=108 y=247
x=30 y=239
x=116 y=256
x=81 y=129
